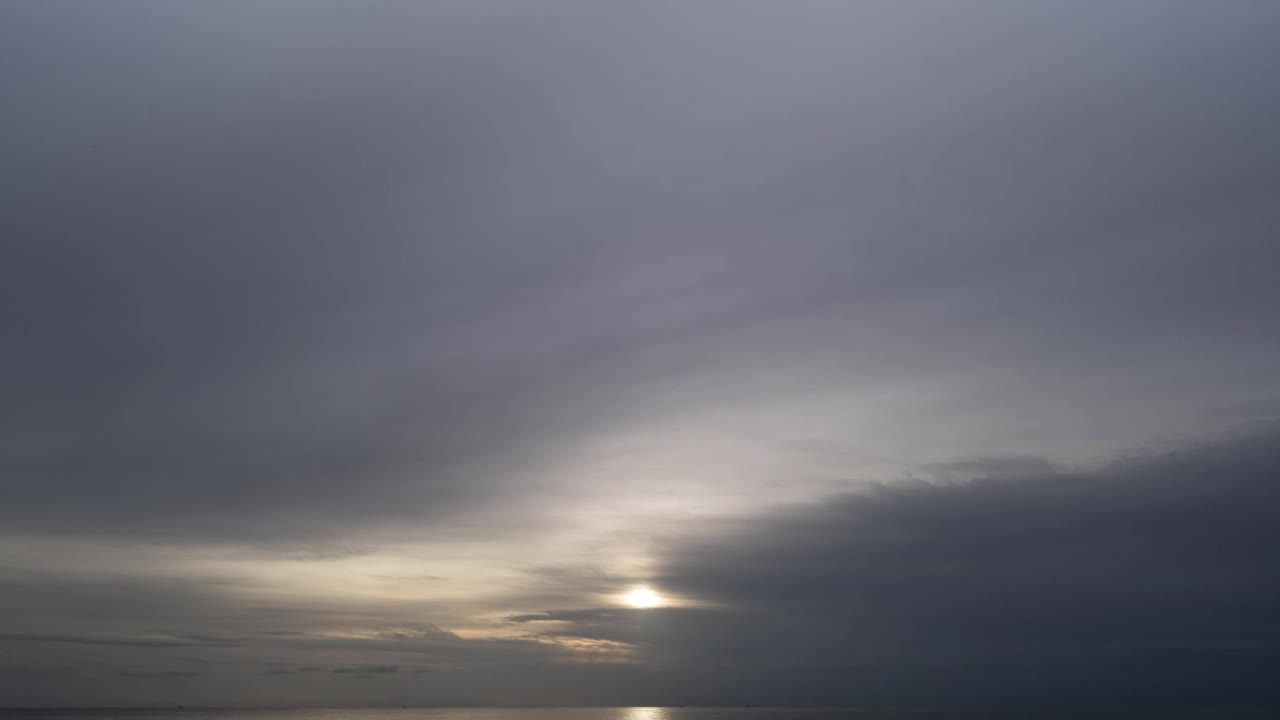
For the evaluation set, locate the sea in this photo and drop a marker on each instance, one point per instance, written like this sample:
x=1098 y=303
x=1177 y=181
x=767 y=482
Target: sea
x=620 y=713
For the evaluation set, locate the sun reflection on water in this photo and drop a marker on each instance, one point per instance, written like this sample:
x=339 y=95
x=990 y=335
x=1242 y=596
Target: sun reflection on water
x=645 y=713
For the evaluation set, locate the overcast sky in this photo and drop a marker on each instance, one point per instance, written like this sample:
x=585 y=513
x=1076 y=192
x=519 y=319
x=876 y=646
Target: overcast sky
x=371 y=352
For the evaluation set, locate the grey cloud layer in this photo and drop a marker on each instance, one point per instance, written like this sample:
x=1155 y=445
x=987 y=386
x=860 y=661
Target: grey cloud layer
x=266 y=269
x=1149 y=580
x=312 y=279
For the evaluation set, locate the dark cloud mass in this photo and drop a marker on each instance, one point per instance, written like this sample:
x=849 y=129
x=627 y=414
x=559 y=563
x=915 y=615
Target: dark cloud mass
x=1148 y=579
x=398 y=341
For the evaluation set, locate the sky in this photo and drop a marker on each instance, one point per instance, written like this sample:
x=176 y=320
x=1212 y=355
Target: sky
x=391 y=352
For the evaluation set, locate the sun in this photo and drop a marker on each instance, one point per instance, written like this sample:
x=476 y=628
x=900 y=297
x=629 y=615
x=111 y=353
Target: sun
x=642 y=597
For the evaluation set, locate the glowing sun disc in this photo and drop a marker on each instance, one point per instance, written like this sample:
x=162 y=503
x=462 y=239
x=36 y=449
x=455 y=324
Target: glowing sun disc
x=642 y=597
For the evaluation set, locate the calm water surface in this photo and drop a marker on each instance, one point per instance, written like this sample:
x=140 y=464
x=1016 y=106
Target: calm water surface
x=610 y=713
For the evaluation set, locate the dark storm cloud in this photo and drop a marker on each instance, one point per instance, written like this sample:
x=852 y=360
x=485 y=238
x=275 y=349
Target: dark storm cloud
x=1150 y=578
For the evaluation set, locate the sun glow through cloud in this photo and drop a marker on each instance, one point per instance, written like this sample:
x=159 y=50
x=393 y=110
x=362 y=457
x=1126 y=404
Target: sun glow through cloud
x=642 y=597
